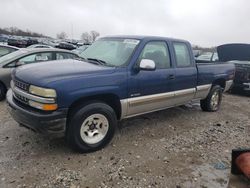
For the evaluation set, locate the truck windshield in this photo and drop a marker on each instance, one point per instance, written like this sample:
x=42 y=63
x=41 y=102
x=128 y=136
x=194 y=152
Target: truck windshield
x=114 y=51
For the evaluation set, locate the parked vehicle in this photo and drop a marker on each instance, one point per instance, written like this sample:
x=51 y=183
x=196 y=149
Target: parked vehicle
x=197 y=53
x=121 y=77
x=27 y=56
x=207 y=57
x=238 y=54
x=66 y=46
x=80 y=49
x=5 y=49
x=17 y=42
x=39 y=46
x=3 y=38
x=31 y=41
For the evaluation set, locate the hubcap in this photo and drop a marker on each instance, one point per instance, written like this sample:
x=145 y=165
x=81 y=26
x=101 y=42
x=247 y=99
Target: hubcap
x=94 y=128
x=215 y=100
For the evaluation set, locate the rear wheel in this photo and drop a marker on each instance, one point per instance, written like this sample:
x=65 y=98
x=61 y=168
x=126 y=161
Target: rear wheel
x=2 y=92
x=91 y=127
x=213 y=100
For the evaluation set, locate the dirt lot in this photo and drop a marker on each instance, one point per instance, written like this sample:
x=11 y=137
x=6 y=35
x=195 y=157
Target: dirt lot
x=179 y=147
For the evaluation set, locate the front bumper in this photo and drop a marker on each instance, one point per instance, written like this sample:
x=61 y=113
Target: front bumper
x=52 y=123
x=242 y=86
x=228 y=85
x=246 y=86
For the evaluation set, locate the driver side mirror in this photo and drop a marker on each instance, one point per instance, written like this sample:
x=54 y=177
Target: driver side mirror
x=147 y=65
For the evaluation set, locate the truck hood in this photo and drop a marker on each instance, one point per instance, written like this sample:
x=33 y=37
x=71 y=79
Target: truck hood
x=43 y=73
x=232 y=52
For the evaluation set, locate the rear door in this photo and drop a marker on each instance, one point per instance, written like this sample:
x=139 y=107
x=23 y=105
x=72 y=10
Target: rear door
x=186 y=73
x=152 y=90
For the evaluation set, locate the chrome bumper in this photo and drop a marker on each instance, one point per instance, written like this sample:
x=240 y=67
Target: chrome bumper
x=246 y=86
x=228 y=85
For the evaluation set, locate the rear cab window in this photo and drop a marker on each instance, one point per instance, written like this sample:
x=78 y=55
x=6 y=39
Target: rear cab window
x=182 y=55
x=64 y=55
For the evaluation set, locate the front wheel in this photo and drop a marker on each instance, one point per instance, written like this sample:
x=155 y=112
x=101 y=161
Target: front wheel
x=213 y=101
x=91 y=127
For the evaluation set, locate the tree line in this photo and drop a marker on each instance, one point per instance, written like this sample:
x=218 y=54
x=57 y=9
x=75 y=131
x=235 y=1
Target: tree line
x=19 y=32
x=87 y=37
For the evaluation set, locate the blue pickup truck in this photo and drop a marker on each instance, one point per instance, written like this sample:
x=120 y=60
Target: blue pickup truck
x=118 y=77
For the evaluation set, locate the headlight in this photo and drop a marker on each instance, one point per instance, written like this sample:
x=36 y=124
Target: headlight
x=42 y=91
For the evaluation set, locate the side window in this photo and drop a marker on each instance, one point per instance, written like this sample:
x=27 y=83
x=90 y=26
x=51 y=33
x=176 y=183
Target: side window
x=28 y=59
x=158 y=52
x=38 y=57
x=182 y=55
x=4 y=51
x=215 y=57
x=63 y=55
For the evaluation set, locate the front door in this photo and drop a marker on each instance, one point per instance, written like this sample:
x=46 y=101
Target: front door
x=152 y=90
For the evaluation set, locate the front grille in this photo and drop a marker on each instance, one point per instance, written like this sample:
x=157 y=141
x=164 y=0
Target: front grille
x=21 y=85
x=240 y=75
x=21 y=98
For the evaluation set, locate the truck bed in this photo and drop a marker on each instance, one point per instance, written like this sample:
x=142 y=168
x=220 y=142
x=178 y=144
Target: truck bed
x=207 y=72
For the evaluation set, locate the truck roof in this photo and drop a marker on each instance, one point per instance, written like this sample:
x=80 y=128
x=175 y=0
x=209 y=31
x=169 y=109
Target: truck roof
x=145 y=37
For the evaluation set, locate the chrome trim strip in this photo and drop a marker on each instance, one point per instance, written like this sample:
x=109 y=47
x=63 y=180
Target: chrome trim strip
x=204 y=87
x=149 y=99
x=202 y=91
x=33 y=97
x=124 y=108
x=147 y=112
x=131 y=107
x=185 y=92
x=228 y=85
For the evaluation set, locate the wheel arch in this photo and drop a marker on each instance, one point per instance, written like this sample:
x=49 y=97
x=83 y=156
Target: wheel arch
x=221 y=82
x=110 y=99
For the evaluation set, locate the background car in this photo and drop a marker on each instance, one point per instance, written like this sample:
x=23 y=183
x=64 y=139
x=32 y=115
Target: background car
x=31 y=41
x=197 y=53
x=5 y=49
x=18 y=42
x=66 y=46
x=39 y=46
x=238 y=54
x=207 y=57
x=27 y=56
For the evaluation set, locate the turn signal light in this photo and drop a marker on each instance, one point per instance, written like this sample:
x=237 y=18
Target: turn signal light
x=49 y=107
x=45 y=107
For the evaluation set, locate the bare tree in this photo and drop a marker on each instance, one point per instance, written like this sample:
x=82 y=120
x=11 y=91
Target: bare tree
x=61 y=35
x=94 y=35
x=86 y=37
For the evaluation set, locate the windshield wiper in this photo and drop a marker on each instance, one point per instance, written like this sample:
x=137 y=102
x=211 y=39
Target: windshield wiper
x=99 y=61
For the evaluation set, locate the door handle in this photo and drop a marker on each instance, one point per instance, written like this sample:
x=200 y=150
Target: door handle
x=171 y=77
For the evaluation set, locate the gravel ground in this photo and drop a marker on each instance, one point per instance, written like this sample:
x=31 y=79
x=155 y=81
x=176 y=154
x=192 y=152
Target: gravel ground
x=178 y=147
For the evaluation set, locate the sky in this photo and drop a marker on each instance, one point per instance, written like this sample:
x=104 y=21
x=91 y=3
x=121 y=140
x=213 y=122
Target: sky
x=202 y=22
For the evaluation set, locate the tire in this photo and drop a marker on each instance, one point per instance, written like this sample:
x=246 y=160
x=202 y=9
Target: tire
x=2 y=92
x=213 y=101
x=91 y=127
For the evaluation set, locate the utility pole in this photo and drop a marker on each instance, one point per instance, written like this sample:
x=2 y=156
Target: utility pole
x=72 y=31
